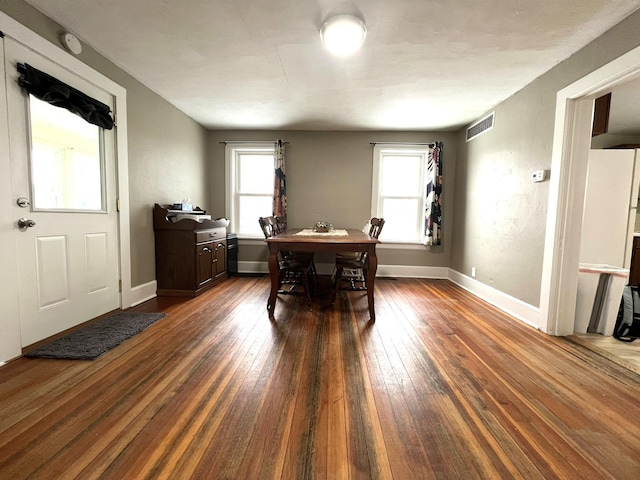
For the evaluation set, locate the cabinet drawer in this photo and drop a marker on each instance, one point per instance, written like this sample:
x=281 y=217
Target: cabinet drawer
x=209 y=235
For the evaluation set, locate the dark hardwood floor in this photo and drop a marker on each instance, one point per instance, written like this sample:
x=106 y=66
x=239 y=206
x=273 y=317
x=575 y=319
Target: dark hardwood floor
x=442 y=385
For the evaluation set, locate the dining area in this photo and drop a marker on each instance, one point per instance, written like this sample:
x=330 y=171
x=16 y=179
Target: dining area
x=291 y=260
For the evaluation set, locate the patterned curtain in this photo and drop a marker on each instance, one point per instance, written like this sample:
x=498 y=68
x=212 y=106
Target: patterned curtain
x=433 y=210
x=280 y=184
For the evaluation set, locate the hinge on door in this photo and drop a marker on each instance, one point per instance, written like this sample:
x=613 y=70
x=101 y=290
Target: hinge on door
x=117 y=204
x=119 y=285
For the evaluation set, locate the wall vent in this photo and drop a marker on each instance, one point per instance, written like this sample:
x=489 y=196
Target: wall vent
x=480 y=127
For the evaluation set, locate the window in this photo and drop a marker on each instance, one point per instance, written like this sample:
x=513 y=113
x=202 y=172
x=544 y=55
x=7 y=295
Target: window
x=398 y=191
x=67 y=161
x=250 y=179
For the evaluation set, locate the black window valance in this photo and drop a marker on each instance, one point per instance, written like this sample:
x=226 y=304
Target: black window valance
x=51 y=90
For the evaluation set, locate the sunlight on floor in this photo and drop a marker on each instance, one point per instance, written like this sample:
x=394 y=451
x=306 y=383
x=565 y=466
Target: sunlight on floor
x=623 y=353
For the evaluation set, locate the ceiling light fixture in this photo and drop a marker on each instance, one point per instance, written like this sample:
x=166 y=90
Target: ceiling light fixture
x=343 y=34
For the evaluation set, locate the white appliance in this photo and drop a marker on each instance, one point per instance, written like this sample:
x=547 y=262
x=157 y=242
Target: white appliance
x=611 y=199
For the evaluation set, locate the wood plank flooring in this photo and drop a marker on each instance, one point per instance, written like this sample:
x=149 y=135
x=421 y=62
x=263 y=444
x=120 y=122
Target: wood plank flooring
x=626 y=354
x=441 y=386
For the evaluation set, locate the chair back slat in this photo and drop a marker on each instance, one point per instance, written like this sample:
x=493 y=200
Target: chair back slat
x=293 y=269
x=359 y=261
x=374 y=232
x=273 y=226
x=269 y=226
x=376 y=227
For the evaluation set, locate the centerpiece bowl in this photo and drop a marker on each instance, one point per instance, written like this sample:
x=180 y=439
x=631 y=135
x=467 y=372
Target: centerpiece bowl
x=322 y=227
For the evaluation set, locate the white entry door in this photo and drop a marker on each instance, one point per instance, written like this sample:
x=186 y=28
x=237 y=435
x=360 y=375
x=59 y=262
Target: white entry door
x=9 y=316
x=64 y=196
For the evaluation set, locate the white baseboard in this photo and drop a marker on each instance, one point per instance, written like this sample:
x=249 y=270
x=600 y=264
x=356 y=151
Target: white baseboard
x=409 y=271
x=383 y=270
x=142 y=293
x=508 y=304
x=263 y=267
x=253 y=267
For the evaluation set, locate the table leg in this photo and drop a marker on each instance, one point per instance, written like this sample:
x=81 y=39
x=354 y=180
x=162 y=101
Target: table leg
x=371 y=280
x=273 y=275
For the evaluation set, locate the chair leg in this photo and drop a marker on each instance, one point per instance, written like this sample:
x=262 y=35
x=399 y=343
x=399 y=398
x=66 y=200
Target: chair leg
x=337 y=278
x=282 y=279
x=364 y=279
x=307 y=287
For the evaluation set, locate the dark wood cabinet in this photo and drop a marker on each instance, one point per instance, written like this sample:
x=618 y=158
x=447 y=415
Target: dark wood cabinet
x=601 y=111
x=204 y=272
x=190 y=253
x=220 y=260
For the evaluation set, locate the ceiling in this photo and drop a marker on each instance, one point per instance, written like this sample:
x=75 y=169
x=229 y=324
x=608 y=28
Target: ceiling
x=259 y=64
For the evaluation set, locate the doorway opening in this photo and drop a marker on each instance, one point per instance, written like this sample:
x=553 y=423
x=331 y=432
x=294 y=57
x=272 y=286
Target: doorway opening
x=572 y=142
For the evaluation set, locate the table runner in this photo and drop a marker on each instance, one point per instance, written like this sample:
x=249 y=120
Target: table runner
x=339 y=232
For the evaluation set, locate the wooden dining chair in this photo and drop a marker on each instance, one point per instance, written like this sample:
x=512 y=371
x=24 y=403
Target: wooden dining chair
x=294 y=268
x=269 y=226
x=356 y=262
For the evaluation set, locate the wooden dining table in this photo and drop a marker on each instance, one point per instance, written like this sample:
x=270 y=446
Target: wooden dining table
x=335 y=241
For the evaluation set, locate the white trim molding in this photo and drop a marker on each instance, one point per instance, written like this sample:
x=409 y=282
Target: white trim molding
x=54 y=53
x=142 y=293
x=508 y=304
x=398 y=271
x=253 y=267
x=571 y=143
x=44 y=47
x=412 y=271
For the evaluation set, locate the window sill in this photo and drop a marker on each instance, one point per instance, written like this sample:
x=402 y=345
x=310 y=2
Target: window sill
x=402 y=246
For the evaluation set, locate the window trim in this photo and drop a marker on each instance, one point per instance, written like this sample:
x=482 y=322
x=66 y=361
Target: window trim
x=376 y=198
x=232 y=151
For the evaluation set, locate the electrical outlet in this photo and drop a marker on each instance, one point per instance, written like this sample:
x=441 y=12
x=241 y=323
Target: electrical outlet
x=473 y=272
x=538 y=176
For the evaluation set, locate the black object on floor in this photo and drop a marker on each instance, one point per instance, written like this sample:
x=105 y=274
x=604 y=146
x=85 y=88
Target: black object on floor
x=97 y=338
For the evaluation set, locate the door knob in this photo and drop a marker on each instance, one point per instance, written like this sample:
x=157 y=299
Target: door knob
x=25 y=223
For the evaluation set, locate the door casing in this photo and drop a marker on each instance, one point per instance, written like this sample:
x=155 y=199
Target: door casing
x=10 y=320
x=571 y=144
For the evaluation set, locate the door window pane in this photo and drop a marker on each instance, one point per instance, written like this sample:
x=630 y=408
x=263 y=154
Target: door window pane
x=66 y=160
